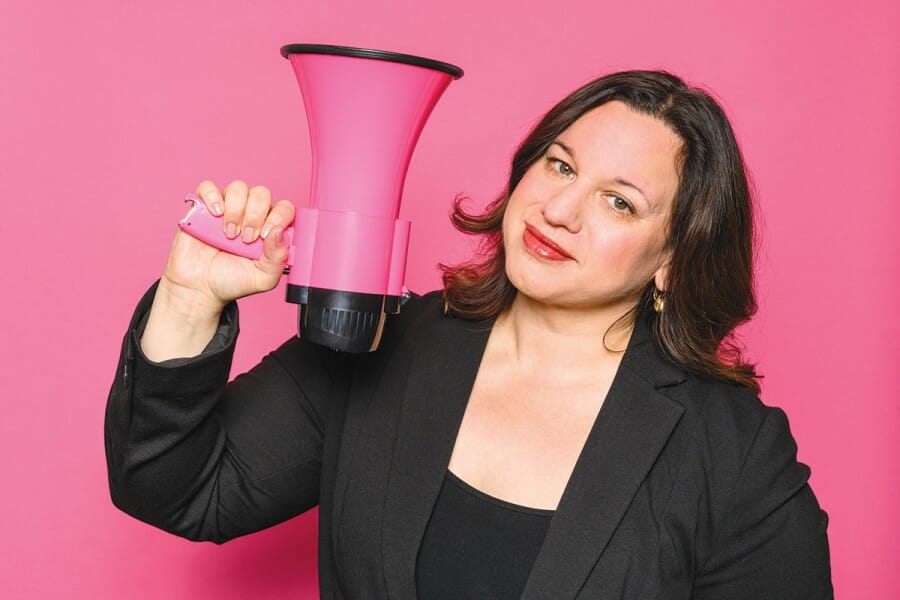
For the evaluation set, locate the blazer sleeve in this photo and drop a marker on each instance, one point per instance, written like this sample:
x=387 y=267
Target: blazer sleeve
x=773 y=542
x=210 y=460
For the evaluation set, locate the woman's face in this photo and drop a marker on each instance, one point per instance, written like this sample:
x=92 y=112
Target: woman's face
x=586 y=226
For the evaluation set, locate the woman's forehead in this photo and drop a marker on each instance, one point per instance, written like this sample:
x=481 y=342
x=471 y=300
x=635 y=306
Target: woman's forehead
x=615 y=142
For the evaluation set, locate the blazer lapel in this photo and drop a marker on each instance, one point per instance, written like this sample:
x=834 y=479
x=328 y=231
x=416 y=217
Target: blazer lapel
x=631 y=429
x=440 y=381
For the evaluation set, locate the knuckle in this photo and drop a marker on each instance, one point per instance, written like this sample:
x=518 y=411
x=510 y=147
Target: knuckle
x=260 y=191
x=284 y=206
x=277 y=258
x=236 y=186
x=205 y=186
x=285 y=211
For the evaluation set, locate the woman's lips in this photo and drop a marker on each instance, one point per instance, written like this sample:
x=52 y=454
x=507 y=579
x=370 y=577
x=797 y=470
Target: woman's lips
x=542 y=246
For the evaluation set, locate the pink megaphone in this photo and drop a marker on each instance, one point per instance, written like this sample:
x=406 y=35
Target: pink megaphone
x=366 y=109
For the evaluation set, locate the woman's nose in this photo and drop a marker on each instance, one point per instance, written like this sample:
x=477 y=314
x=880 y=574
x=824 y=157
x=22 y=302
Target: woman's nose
x=564 y=208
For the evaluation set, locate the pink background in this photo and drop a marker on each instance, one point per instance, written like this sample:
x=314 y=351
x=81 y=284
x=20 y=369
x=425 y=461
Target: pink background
x=110 y=113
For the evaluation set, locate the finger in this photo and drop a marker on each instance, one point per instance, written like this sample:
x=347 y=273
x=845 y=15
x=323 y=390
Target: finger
x=211 y=195
x=235 y=201
x=282 y=214
x=259 y=200
x=275 y=254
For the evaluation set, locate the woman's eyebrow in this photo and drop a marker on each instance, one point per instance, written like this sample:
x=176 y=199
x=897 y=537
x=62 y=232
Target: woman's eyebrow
x=627 y=183
x=568 y=150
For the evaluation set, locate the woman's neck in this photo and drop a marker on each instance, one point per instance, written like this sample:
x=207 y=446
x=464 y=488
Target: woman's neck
x=561 y=342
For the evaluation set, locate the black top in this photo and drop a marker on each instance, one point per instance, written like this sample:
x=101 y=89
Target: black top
x=477 y=546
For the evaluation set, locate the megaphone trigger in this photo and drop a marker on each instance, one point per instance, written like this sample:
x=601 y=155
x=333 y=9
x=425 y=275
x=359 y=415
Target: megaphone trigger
x=206 y=227
x=194 y=201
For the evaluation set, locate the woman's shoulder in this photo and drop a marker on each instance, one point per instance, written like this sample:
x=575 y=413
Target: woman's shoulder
x=723 y=405
x=746 y=443
x=737 y=431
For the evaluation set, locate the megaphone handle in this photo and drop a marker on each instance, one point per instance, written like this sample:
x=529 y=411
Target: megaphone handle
x=206 y=227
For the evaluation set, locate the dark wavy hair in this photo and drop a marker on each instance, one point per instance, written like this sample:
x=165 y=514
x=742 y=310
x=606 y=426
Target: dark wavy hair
x=709 y=287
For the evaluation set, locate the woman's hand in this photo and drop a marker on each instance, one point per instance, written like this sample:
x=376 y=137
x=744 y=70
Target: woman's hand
x=200 y=280
x=197 y=268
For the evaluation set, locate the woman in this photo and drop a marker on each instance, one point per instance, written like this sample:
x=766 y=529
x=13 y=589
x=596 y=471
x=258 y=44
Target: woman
x=566 y=419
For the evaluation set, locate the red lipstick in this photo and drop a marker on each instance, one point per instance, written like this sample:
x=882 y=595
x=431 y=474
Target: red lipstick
x=542 y=246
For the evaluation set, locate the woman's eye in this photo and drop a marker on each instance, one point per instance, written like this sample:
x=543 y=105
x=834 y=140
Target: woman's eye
x=560 y=167
x=619 y=204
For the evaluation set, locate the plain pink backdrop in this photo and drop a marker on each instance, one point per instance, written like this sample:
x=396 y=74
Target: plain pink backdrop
x=110 y=113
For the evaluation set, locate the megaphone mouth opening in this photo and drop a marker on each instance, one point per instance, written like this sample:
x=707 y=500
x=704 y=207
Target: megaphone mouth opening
x=408 y=59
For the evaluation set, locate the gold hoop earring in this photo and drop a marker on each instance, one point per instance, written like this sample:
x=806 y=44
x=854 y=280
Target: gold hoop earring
x=659 y=301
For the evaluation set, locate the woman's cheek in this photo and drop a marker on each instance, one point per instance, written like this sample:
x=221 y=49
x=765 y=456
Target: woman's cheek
x=622 y=258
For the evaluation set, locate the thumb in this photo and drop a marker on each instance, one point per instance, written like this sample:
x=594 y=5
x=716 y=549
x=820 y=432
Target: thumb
x=271 y=262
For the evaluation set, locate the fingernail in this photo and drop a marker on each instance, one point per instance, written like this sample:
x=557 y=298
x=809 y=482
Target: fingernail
x=278 y=231
x=247 y=235
x=218 y=209
x=213 y=198
x=231 y=231
x=265 y=230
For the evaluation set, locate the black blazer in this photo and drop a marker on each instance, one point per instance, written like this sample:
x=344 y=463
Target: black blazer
x=685 y=488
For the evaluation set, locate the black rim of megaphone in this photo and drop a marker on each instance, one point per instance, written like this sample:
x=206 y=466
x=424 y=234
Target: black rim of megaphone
x=409 y=59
